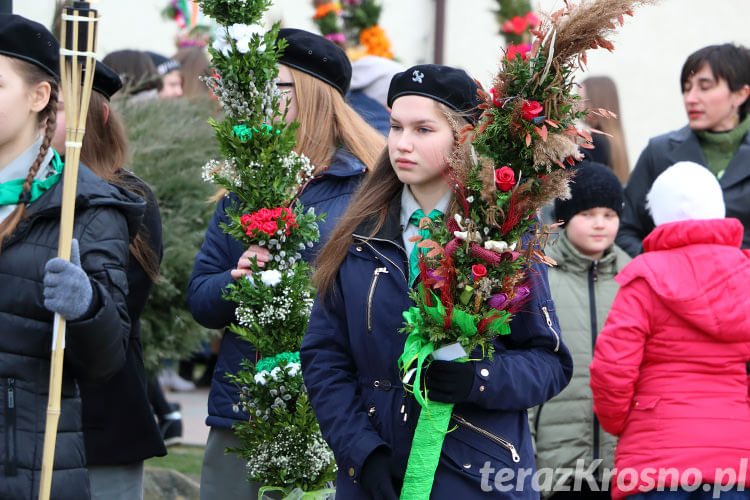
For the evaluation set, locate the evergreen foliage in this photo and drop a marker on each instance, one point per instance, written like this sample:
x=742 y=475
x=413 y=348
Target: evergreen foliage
x=169 y=141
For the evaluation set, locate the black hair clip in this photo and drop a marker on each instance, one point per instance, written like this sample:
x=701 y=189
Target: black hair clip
x=25 y=198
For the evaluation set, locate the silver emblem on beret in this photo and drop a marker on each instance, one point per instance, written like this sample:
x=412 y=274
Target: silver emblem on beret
x=418 y=75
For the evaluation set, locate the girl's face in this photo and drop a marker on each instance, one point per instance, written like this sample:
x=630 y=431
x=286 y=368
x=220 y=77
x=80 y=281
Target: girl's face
x=288 y=100
x=593 y=231
x=171 y=85
x=19 y=105
x=58 y=140
x=420 y=141
x=709 y=102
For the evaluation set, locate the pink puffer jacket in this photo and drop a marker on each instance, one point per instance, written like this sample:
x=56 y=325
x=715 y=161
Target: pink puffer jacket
x=669 y=374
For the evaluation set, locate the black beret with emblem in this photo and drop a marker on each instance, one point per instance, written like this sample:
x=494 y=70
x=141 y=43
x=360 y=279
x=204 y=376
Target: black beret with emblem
x=316 y=56
x=106 y=81
x=450 y=86
x=30 y=41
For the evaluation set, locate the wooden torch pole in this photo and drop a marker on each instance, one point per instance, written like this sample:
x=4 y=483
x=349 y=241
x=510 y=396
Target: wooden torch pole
x=77 y=64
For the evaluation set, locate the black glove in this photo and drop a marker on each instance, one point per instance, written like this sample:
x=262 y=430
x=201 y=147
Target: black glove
x=449 y=381
x=376 y=475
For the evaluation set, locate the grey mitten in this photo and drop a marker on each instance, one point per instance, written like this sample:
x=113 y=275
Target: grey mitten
x=67 y=288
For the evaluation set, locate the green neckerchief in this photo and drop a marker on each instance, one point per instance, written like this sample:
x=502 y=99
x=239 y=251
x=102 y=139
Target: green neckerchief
x=417 y=216
x=10 y=191
x=720 y=147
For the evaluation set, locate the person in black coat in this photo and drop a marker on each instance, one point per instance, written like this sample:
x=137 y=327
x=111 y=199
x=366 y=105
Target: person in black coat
x=120 y=429
x=89 y=291
x=715 y=88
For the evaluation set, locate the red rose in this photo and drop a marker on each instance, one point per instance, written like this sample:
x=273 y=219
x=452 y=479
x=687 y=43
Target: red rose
x=263 y=215
x=521 y=49
x=245 y=219
x=530 y=110
x=505 y=178
x=532 y=19
x=478 y=271
x=516 y=25
x=268 y=227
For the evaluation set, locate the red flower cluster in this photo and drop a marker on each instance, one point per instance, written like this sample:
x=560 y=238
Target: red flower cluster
x=268 y=220
x=518 y=24
x=505 y=179
x=519 y=50
x=530 y=110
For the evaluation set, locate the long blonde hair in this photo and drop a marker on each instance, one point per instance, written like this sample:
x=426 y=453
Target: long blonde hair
x=601 y=92
x=326 y=120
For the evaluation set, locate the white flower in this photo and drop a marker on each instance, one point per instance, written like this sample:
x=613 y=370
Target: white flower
x=275 y=373
x=271 y=277
x=243 y=34
x=259 y=378
x=293 y=369
x=221 y=42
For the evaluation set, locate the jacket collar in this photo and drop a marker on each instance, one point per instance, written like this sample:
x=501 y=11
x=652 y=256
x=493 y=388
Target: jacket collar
x=569 y=259
x=685 y=147
x=390 y=230
x=91 y=192
x=344 y=164
x=726 y=232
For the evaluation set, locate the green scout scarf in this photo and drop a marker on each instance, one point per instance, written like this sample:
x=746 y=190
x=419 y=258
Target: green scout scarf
x=10 y=191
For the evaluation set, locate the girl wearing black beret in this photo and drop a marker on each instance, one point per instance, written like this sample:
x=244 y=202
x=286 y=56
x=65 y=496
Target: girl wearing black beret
x=364 y=274
x=314 y=75
x=89 y=291
x=119 y=427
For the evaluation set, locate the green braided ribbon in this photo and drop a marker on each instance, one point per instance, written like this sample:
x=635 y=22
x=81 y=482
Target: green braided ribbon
x=280 y=360
x=243 y=132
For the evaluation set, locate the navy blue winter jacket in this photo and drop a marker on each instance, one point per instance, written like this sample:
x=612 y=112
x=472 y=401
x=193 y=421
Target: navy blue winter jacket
x=349 y=363
x=329 y=194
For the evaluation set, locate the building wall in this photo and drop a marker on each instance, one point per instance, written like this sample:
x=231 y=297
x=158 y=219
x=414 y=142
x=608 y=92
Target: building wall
x=649 y=49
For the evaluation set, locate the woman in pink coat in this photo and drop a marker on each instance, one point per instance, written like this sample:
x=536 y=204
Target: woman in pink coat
x=670 y=368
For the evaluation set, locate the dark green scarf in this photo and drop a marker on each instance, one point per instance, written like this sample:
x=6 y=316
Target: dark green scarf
x=10 y=192
x=720 y=147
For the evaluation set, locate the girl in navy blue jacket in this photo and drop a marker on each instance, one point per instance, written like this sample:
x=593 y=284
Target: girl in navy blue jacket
x=314 y=74
x=350 y=350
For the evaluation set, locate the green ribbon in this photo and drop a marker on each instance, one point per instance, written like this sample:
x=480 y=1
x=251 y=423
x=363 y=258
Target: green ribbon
x=432 y=425
x=243 y=132
x=425 y=451
x=294 y=493
x=10 y=191
x=417 y=216
x=280 y=360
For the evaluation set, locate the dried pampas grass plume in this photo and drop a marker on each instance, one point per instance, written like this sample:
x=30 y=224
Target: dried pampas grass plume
x=583 y=26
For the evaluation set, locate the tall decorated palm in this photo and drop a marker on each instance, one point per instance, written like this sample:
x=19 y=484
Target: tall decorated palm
x=475 y=274
x=280 y=438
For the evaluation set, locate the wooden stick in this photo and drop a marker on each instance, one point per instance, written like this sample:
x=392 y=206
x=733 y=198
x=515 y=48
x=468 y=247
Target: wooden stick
x=77 y=79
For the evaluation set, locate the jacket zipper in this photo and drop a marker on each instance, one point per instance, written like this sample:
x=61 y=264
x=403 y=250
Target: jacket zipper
x=10 y=429
x=549 y=325
x=489 y=435
x=375 y=275
x=593 y=278
x=386 y=257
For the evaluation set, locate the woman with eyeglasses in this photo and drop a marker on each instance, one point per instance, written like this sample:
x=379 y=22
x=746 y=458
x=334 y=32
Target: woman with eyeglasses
x=314 y=75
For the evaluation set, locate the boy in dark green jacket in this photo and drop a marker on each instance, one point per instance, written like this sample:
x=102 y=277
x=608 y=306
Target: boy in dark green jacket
x=572 y=451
